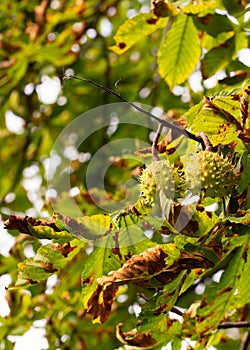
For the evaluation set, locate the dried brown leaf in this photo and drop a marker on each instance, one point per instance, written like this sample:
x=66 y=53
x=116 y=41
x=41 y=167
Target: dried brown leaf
x=22 y=223
x=134 y=338
x=147 y=269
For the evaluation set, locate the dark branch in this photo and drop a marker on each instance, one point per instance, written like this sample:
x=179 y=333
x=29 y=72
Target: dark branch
x=155 y=141
x=245 y=341
x=206 y=143
x=240 y=324
x=159 y=120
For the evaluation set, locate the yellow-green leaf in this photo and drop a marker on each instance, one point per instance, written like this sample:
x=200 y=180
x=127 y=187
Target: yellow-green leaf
x=217 y=58
x=136 y=29
x=49 y=259
x=180 y=52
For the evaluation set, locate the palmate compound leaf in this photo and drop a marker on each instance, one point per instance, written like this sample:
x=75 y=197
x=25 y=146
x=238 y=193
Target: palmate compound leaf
x=219 y=299
x=155 y=267
x=135 y=30
x=180 y=52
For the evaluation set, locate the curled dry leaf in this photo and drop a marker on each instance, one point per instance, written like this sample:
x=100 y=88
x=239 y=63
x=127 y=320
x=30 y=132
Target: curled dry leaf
x=24 y=223
x=153 y=267
x=140 y=340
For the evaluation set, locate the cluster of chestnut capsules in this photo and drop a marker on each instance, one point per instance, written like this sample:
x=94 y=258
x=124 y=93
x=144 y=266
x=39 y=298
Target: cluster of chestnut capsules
x=210 y=174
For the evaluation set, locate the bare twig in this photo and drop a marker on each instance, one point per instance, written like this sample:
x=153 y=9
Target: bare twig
x=206 y=145
x=178 y=129
x=224 y=208
x=243 y=111
x=240 y=324
x=155 y=141
x=245 y=341
x=176 y=311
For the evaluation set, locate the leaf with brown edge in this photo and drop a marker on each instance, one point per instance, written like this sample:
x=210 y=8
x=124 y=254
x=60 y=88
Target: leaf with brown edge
x=156 y=266
x=22 y=223
x=229 y=292
x=142 y=340
x=88 y=227
x=37 y=228
x=48 y=260
x=143 y=24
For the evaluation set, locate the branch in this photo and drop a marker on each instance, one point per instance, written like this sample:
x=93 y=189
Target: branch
x=240 y=324
x=159 y=120
x=245 y=341
x=206 y=141
x=243 y=111
x=155 y=141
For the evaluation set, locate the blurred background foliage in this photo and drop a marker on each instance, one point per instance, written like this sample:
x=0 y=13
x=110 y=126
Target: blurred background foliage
x=40 y=43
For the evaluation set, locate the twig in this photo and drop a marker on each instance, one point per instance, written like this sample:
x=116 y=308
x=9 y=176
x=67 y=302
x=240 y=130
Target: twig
x=243 y=111
x=245 y=341
x=206 y=145
x=161 y=121
x=224 y=208
x=155 y=141
x=240 y=324
x=176 y=311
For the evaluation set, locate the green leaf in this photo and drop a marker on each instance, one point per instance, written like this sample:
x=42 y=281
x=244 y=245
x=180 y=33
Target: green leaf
x=214 y=25
x=219 y=298
x=48 y=260
x=215 y=123
x=135 y=30
x=242 y=290
x=88 y=227
x=108 y=255
x=180 y=52
x=209 y=42
x=245 y=178
x=234 y=7
x=156 y=309
x=217 y=58
x=98 y=264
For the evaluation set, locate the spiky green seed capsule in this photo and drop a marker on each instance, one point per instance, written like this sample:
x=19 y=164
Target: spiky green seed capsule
x=212 y=174
x=159 y=176
x=147 y=186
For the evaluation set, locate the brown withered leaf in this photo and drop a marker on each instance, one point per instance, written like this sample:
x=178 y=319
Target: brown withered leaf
x=64 y=249
x=100 y=303
x=147 y=269
x=134 y=338
x=22 y=223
